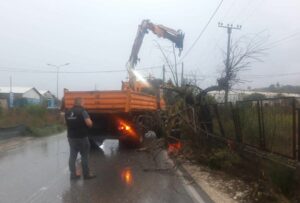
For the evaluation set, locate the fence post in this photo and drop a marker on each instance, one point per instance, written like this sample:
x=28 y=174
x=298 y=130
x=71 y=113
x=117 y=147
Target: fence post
x=219 y=120
x=263 y=124
x=298 y=137
x=260 y=124
x=294 y=128
x=236 y=120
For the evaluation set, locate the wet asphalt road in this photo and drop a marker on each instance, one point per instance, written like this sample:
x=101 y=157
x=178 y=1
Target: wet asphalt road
x=38 y=172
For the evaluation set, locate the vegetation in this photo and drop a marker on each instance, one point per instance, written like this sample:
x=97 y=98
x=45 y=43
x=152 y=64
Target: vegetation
x=266 y=125
x=212 y=133
x=281 y=177
x=274 y=124
x=224 y=159
x=281 y=89
x=254 y=96
x=38 y=120
x=242 y=54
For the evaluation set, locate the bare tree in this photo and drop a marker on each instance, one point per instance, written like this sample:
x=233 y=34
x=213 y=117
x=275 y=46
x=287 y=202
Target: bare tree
x=243 y=53
x=172 y=66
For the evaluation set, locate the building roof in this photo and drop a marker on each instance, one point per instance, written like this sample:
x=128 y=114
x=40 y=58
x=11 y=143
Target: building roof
x=42 y=92
x=17 y=90
x=46 y=93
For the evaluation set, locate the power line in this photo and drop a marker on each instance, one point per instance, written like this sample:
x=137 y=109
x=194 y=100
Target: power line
x=273 y=75
x=203 y=30
x=217 y=37
x=254 y=10
x=242 y=11
x=229 y=9
x=22 y=70
x=274 y=43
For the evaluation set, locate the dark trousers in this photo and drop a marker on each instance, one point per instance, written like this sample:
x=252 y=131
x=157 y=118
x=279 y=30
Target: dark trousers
x=81 y=145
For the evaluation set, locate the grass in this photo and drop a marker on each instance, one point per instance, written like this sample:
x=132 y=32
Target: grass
x=45 y=131
x=281 y=177
x=38 y=120
x=276 y=124
x=222 y=158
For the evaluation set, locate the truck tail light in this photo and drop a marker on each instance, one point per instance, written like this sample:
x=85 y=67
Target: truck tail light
x=123 y=126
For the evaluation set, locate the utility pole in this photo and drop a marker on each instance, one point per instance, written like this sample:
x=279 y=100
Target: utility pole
x=11 y=94
x=164 y=74
x=182 y=80
x=57 y=74
x=175 y=67
x=229 y=28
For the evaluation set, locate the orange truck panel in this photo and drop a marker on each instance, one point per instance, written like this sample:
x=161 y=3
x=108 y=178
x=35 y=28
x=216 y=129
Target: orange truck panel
x=112 y=101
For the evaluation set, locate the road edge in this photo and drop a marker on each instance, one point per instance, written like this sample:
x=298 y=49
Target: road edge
x=195 y=184
x=189 y=182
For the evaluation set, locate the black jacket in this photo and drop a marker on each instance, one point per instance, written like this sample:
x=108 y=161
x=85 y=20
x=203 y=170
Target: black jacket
x=76 y=125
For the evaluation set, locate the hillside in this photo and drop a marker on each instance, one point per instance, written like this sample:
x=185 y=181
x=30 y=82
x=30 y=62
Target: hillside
x=280 y=89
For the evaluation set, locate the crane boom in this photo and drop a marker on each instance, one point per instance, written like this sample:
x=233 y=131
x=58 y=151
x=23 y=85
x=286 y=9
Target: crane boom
x=161 y=31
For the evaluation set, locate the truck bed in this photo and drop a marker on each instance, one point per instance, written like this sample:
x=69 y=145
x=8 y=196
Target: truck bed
x=112 y=101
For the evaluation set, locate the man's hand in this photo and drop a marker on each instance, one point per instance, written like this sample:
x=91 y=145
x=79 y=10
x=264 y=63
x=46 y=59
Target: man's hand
x=88 y=122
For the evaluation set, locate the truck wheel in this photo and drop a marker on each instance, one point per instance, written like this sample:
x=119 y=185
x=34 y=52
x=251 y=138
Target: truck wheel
x=141 y=139
x=141 y=134
x=131 y=142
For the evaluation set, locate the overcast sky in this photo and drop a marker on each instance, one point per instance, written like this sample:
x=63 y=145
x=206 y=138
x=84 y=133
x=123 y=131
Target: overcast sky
x=96 y=35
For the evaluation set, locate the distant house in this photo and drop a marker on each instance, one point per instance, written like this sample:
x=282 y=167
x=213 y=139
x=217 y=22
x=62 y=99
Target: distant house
x=239 y=95
x=21 y=96
x=3 y=103
x=48 y=98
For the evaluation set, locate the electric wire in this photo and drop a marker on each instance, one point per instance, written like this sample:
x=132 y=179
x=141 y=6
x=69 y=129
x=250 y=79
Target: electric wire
x=242 y=11
x=203 y=30
x=22 y=70
x=289 y=37
x=254 y=10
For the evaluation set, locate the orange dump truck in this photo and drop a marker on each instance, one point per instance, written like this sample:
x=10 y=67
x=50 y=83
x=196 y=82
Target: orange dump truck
x=116 y=114
x=127 y=113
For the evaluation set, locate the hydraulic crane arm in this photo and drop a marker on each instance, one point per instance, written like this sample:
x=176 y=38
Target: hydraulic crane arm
x=161 y=31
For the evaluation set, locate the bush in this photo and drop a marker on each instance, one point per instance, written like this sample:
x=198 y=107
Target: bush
x=38 y=120
x=44 y=131
x=223 y=159
x=282 y=177
x=36 y=110
x=254 y=96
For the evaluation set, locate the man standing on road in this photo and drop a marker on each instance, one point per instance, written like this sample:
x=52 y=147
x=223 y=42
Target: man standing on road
x=78 y=121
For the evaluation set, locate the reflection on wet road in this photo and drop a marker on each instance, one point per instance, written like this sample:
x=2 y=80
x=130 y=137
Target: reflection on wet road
x=127 y=176
x=38 y=172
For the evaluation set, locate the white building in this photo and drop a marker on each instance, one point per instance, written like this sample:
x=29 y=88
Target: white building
x=19 y=96
x=239 y=95
x=48 y=98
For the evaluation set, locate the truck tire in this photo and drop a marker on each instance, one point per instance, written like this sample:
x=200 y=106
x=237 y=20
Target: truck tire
x=128 y=142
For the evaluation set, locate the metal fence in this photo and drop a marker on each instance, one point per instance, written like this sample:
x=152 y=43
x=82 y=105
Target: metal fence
x=270 y=125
